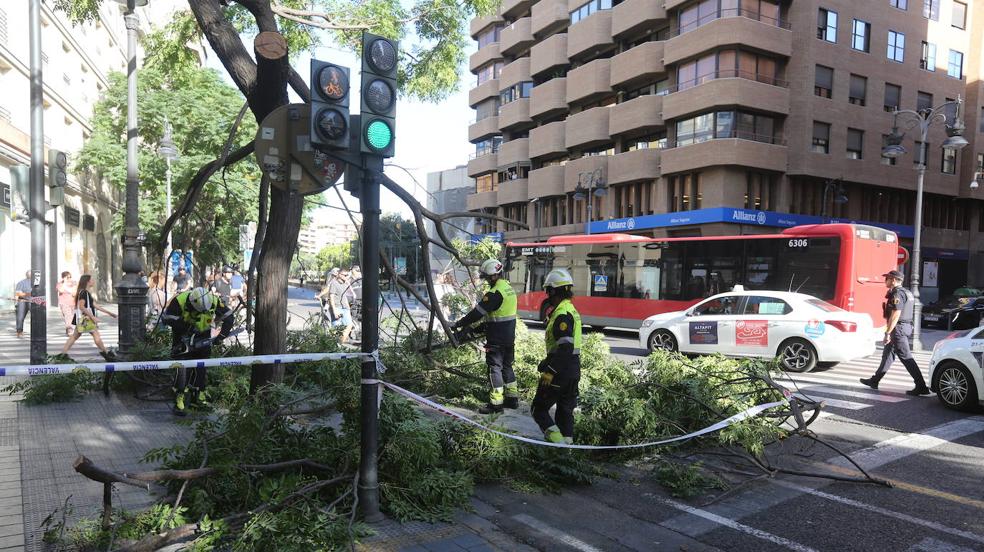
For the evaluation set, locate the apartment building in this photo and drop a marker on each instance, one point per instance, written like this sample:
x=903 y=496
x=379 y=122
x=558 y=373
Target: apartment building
x=328 y=227
x=716 y=117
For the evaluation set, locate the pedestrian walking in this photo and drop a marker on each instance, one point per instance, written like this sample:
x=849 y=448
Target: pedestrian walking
x=560 y=372
x=237 y=284
x=898 y=308
x=339 y=298
x=22 y=294
x=67 y=287
x=156 y=299
x=182 y=281
x=498 y=309
x=85 y=320
x=222 y=285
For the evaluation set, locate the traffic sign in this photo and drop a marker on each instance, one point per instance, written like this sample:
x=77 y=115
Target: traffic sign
x=903 y=255
x=285 y=155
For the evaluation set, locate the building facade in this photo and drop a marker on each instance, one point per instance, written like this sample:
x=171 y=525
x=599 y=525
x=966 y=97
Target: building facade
x=326 y=229
x=76 y=62
x=714 y=117
x=447 y=192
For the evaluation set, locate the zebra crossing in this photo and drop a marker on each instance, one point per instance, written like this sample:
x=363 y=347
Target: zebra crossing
x=17 y=350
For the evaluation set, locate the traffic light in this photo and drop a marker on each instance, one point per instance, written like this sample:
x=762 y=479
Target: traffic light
x=379 y=62
x=57 y=176
x=20 y=195
x=329 y=105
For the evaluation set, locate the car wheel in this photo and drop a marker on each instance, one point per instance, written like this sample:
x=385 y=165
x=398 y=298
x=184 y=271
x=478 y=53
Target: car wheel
x=662 y=340
x=955 y=386
x=797 y=355
x=827 y=365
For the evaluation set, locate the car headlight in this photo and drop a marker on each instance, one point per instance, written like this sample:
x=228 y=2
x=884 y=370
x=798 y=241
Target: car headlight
x=647 y=323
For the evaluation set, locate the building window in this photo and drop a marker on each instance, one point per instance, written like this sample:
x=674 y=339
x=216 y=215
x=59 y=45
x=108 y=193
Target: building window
x=486 y=109
x=954 y=66
x=980 y=128
x=945 y=213
x=652 y=141
x=896 y=46
x=488 y=146
x=760 y=191
x=927 y=60
x=728 y=64
x=827 y=25
x=859 y=89
x=931 y=9
x=706 y=11
x=684 y=193
x=587 y=9
x=924 y=100
x=861 y=36
x=515 y=92
x=958 y=18
x=486 y=183
x=887 y=160
x=823 y=84
x=821 y=137
x=491 y=36
x=893 y=94
x=980 y=168
x=900 y=4
x=855 y=143
x=725 y=124
x=489 y=72
x=949 y=164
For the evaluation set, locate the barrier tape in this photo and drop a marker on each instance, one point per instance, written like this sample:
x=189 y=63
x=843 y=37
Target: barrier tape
x=110 y=367
x=749 y=413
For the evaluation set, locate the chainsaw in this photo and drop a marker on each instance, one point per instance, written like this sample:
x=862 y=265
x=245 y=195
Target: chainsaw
x=193 y=343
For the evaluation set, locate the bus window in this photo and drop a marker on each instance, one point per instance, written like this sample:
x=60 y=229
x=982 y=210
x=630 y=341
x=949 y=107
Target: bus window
x=601 y=262
x=517 y=274
x=809 y=265
x=671 y=263
x=639 y=271
x=761 y=271
x=712 y=267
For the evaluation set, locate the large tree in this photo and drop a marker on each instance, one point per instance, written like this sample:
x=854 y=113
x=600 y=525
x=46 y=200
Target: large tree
x=433 y=34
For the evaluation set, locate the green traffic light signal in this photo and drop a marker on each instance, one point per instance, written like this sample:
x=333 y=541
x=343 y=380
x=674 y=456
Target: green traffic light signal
x=379 y=135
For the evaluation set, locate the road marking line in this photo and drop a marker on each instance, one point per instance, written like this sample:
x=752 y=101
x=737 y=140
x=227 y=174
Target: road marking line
x=555 y=533
x=929 y=544
x=902 y=446
x=879 y=510
x=918 y=489
x=837 y=403
x=837 y=379
x=855 y=394
x=730 y=523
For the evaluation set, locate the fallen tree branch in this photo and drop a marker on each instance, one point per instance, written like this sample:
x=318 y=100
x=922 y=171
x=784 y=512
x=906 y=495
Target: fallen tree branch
x=85 y=467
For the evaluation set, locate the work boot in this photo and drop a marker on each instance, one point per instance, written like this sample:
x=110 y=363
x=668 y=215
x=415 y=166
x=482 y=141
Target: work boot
x=552 y=434
x=511 y=402
x=871 y=382
x=490 y=409
x=568 y=440
x=179 y=405
x=918 y=391
x=108 y=355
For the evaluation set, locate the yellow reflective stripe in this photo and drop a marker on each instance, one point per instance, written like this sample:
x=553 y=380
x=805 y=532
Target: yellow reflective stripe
x=565 y=340
x=502 y=318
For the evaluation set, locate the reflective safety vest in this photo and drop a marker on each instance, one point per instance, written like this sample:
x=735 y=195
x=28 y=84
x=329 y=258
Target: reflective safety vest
x=565 y=307
x=507 y=310
x=201 y=321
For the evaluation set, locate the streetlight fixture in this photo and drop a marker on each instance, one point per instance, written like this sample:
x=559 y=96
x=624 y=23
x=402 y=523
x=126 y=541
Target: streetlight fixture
x=131 y=290
x=170 y=153
x=596 y=187
x=976 y=182
x=840 y=196
x=922 y=120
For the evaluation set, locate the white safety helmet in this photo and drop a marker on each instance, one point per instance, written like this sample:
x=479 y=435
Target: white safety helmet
x=200 y=299
x=558 y=278
x=491 y=267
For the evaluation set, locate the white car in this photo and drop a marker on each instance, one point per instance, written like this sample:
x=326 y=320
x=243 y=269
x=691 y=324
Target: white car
x=955 y=370
x=801 y=330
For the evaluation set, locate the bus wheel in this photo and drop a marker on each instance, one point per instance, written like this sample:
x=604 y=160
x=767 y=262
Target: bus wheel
x=797 y=355
x=662 y=340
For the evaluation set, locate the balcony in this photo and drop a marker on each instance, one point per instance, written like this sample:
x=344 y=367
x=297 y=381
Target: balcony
x=637 y=116
x=482 y=92
x=516 y=72
x=637 y=15
x=634 y=166
x=483 y=129
x=727 y=91
x=591 y=35
x=573 y=169
x=513 y=191
x=514 y=152
x=638 y=65
x=547 y=181
x=483 y=56
x=549 y=16
x=588 y=128
x=548 y=140
x=589 y=81
x=549 y=54
x=517 y=37
x=549 y=98
x=483 y=164
x=726 y=151
x=759 y=35
x=515 y=115
x=481 y=200
x=514 y=8
x=479 y=24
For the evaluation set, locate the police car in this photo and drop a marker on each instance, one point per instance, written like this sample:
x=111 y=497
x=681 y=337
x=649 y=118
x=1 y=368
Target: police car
x=801 y=330
x=955 y=370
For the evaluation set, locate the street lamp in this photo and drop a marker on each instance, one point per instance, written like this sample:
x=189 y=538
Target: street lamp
x=976 y=182
x=131 y=291
x=596 y=187
x=840 y=197
x=922 y=119
x=537 y=215
x=170 y=153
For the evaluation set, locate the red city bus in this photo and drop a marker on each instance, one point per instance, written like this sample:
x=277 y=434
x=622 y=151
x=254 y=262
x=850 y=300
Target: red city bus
x=621 y=279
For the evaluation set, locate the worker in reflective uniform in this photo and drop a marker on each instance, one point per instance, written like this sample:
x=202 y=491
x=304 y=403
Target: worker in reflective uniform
x=498 y=309
x=899 y=308
x=560 y=372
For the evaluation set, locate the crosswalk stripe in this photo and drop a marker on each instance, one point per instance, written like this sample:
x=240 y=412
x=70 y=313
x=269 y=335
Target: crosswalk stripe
x=852 y=380
x=837 y=403
x=823 y=389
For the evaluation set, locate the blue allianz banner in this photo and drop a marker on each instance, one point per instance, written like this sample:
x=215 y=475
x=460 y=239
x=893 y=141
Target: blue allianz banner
x=494 y=236
x=729 y=215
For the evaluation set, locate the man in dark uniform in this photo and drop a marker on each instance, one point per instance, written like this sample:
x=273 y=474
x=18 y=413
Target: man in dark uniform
x=898 y=309
x=560 y=372
x=498 y=309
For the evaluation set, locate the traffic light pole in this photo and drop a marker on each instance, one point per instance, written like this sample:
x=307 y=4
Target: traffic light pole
x=369 y=205
x=39 y=316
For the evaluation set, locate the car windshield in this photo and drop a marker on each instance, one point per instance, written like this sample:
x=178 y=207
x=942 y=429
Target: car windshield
x=823 y=305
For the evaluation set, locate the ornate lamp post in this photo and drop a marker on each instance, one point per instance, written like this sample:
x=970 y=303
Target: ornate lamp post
x=596 y=187
x=169 y=152
x=922 y=120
